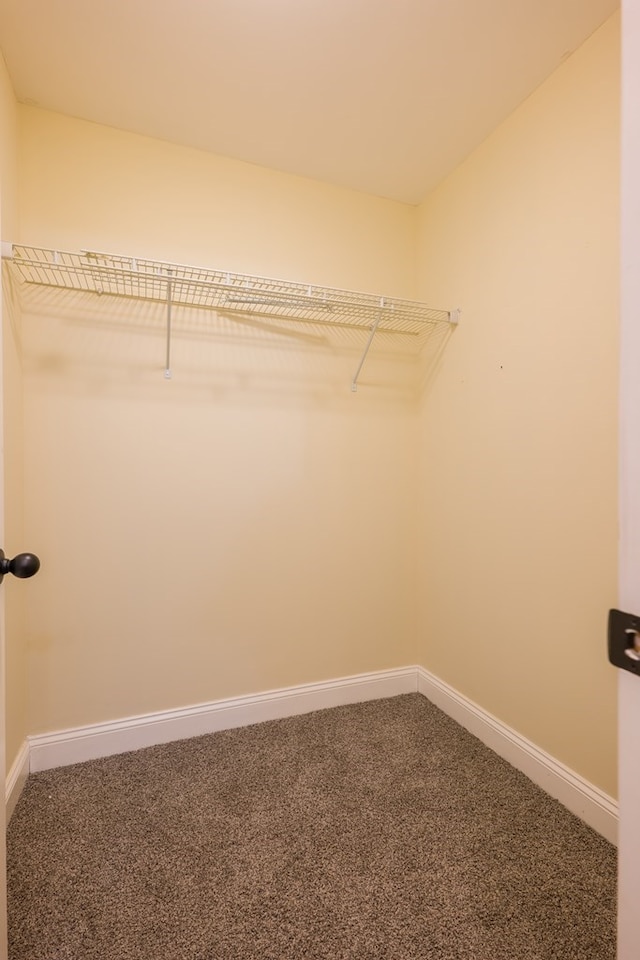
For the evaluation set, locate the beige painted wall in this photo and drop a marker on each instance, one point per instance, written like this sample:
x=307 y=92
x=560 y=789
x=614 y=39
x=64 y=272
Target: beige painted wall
x=15 y=592
x=110 y=190
x=252 y=524
x=518 y=429
x=249 y=524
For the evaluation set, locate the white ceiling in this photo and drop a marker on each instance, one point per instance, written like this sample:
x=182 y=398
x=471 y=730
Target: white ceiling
x=383 y=96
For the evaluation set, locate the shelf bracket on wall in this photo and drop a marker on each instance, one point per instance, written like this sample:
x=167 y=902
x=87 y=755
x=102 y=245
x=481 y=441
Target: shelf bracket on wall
x=374 y=327
x=453 y=318
x=167 y=364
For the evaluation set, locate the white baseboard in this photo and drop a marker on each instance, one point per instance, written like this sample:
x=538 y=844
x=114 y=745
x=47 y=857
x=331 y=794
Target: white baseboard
x=596 y=808
x=16 y=779
x=105 y=739
x=65 y=747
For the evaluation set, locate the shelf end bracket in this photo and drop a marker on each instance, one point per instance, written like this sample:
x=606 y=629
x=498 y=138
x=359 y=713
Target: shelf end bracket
x=167 y=364
x=374 y=327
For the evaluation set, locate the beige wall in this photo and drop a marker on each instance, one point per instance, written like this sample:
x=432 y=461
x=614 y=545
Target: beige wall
x=253 y=524
x=109 y=190
x=518 y=430
x=247 y=525
x=13 y=541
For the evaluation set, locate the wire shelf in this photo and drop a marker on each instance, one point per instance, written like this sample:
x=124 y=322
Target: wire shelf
x=222 y=291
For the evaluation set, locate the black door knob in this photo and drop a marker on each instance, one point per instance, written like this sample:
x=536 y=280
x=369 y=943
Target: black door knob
x=22 y=566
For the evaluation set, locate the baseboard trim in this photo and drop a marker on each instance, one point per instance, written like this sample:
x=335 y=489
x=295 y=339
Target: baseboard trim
x=41 y=752
x=120 y=736
x=596 y=808
x=16 y=779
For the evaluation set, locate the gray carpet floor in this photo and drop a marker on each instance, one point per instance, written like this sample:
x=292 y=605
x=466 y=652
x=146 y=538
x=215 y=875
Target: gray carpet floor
x=381 y=830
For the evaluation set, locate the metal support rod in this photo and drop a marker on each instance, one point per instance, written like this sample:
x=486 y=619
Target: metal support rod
x=354 y=382
x=167 y=365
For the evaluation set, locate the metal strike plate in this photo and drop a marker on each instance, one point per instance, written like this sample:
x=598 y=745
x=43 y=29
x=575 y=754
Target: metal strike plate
x=624 y=640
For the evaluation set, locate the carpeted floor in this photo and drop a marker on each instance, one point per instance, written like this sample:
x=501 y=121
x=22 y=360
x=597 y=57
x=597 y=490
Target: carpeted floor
x=381 y=830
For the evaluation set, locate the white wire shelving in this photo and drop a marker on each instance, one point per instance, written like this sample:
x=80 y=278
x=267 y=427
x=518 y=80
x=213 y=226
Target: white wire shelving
x=230 y=293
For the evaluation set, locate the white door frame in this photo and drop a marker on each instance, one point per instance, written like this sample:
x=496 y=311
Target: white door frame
x=629 y=485
x=3 y=757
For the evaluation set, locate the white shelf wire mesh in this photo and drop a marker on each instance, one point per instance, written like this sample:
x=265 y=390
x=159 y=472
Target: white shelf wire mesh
x=188 y=286
x=235 y=295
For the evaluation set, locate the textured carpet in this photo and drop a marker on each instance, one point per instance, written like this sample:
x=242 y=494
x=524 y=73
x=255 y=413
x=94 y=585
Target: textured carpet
x=381 y=830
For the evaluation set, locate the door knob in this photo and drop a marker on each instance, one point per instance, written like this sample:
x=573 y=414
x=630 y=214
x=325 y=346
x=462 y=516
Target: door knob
x=22 y=566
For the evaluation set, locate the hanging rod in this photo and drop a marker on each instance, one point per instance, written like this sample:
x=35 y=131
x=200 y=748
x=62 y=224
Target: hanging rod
x=202 y=288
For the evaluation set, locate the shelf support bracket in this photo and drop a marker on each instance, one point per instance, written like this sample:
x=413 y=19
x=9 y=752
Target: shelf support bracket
x=167 y=364
x=372 y=333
